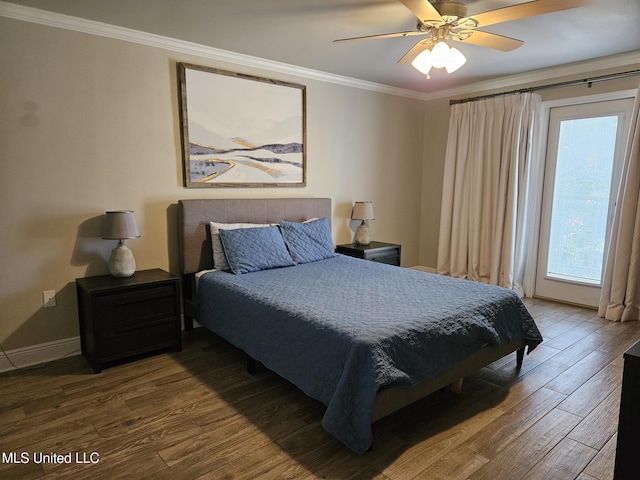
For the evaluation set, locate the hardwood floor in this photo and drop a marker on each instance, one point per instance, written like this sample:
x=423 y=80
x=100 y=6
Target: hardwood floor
x=196 y=415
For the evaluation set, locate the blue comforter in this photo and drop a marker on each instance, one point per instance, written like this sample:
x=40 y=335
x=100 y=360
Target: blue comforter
x=342 y=328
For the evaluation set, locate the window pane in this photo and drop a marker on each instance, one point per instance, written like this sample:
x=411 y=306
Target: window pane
x=584 y=166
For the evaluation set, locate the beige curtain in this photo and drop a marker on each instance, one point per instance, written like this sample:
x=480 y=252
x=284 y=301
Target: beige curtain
x=486 y=213
x=620 y=299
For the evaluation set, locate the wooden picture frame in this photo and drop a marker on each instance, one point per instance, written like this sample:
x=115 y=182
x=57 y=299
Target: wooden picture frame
x=241 y=130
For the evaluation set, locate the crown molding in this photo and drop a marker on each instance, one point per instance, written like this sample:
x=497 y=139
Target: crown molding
x=67 y=22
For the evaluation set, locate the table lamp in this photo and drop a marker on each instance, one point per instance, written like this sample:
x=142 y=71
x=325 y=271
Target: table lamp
x=120 y=225
x=363 y=211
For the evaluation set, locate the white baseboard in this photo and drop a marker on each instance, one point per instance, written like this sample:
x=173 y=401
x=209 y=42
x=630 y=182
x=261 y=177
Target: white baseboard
x=45 y=352
x=424 y=269
x=37 y=354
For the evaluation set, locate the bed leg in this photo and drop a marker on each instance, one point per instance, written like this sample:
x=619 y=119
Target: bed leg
x=456 y=387
x=519 y=358
x=251 y=366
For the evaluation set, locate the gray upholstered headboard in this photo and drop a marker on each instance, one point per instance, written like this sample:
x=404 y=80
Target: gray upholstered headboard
x=194 y=217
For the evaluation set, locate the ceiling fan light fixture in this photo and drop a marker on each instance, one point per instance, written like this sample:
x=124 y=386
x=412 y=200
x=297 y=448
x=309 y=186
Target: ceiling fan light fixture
x=455 y=61
x=441 y=56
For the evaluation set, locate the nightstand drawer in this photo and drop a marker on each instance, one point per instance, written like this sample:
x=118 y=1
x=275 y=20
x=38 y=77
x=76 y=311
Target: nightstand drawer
x=387 y=255
x=124 y=309
x=376 y=251
x=138 y=338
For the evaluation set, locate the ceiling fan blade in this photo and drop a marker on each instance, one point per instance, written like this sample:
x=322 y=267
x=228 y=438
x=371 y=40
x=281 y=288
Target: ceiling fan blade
x=382 y=35
x=415 y=50
x=524 y=10
x=490 y=40
x=425 y=12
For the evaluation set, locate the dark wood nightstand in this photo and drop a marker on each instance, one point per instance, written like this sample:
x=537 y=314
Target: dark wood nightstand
x=375 y=251
x=123 y=318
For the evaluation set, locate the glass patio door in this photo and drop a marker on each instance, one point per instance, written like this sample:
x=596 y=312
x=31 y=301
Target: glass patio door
x=584 y=156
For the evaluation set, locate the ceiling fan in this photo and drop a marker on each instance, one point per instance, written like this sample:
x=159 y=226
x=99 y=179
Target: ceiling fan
x=441 y=20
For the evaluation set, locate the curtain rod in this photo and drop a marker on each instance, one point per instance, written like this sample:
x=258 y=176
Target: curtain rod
x=569 y=83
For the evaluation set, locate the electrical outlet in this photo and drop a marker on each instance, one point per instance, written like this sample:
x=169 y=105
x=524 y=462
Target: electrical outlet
x=49 y=298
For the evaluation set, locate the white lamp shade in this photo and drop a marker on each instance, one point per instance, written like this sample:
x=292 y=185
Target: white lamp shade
x=422 y=62
x=456 y=60
x=119 y=225
x=362 y=211
x=440 y=55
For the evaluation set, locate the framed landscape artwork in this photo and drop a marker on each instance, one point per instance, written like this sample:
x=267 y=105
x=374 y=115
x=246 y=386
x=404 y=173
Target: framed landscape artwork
x=240 y=130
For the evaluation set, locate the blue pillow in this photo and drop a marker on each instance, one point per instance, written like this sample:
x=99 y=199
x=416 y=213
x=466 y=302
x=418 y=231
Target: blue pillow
x=308 y=241
x=252 y=249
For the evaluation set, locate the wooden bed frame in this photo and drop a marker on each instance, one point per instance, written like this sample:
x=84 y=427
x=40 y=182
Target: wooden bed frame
x=196 y=255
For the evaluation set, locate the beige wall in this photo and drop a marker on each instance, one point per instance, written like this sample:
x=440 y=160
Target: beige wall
x=89 y=124
x=436 y=129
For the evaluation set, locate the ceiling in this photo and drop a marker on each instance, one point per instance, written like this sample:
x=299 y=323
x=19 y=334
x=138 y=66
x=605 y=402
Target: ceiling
x=301 y=33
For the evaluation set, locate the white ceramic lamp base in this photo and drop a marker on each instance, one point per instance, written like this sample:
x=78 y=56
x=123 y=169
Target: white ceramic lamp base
x=363 y=234
x=121 y=262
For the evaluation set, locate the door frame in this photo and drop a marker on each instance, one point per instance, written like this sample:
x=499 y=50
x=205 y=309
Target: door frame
x=578 y=293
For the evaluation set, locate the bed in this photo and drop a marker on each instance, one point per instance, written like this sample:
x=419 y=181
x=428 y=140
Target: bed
x=365 y=339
